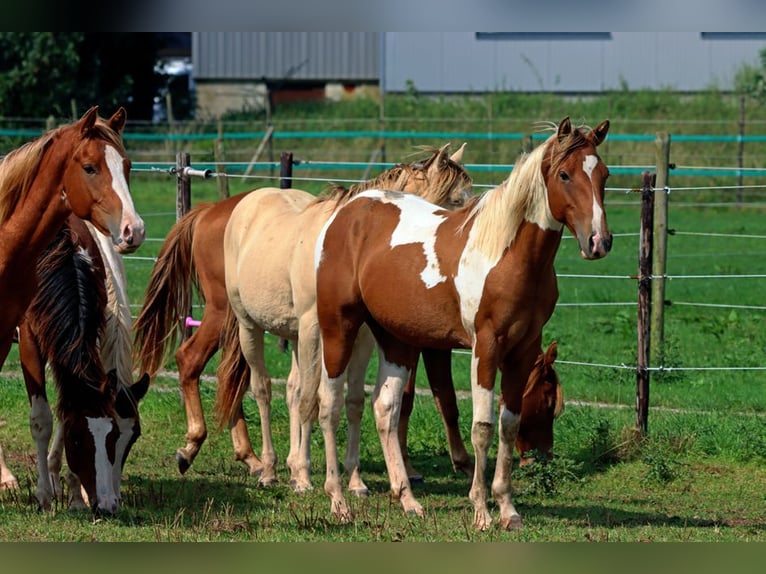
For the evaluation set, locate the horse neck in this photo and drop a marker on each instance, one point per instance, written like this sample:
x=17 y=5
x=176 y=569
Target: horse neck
x=36 y=220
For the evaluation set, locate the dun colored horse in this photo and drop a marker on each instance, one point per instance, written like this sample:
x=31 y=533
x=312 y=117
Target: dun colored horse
x=81 y=168
x=481 y=277
x=193 y=256
x=268 y=246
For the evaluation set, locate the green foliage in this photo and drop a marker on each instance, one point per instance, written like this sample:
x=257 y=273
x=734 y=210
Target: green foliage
x=38 y=72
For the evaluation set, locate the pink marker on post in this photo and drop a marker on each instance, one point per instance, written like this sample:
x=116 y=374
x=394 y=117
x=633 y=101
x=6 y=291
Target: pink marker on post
x=192 y=322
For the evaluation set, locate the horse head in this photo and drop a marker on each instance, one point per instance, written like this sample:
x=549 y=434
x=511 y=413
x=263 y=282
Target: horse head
x=575 y=177
x=95 y=180
x=542 y=404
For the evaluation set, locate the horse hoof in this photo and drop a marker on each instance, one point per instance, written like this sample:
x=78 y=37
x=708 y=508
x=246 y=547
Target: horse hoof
x=300 y=487
x=360 y=492
x=512 y=523
x=183 y=463
x=417 y=479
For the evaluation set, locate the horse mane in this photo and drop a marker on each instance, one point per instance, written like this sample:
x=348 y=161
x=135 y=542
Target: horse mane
x=19 y=167
x=397 y=177
x=499 y=212
x=17 y=171
x=68 y=321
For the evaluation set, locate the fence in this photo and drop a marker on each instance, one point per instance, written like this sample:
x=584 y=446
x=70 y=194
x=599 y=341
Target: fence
x=653 y=234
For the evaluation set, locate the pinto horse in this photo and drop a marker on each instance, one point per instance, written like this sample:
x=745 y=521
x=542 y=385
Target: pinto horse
x=79 y=323
x=80 y=168
x=268 y=246
x=481 y=277
x=192 y=256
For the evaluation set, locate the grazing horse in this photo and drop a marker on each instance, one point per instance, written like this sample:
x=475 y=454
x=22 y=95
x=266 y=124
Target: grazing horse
x=80 y=168
x=543 y=402
x=481 y=277
x=193 y=256
x=79 y=323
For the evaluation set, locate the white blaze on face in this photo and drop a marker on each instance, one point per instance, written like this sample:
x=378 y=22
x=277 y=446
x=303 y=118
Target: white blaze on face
x=120 y=185
x=588 y=165
x=418 y=223
x=99 y=428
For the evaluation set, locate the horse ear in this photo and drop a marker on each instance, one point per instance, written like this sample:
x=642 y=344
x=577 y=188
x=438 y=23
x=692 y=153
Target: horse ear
x=117 y=121
x=598 y=135
x=140 y=387
x=551 y=353
x=457 y=157
x=88 y=120
x=565 y=128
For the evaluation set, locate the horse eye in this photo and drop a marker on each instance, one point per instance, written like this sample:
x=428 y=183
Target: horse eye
x=563 y=176
x=89 y=169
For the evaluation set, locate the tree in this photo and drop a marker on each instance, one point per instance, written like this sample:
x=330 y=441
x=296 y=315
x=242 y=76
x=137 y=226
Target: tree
x=751 y=80
x=43 y=73
x=38 y=72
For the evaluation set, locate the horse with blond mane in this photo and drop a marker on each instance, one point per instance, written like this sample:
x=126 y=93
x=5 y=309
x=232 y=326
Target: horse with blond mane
x=481 y=277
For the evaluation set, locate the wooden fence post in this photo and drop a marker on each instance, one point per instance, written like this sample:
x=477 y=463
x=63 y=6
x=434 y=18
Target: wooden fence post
x=644 y=302
x=285 y=170
x=660 y=250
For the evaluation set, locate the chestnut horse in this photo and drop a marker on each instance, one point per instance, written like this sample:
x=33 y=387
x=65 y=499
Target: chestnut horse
x=269 y=242
x=79 y=323
x=543 y=403
x=192 y=256
x=80 y=168
x=481 y=277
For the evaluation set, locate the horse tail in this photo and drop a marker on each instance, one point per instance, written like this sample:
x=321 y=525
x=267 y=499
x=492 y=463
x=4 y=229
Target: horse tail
x=233 y=372
x=67 y=313
x=168 y=295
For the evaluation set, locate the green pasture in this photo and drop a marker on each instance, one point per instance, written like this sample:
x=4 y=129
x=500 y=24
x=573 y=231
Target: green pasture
x=698 y=475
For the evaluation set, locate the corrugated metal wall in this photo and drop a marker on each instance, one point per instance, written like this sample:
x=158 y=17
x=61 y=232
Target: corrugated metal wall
x=459 y=62
x=325 y=56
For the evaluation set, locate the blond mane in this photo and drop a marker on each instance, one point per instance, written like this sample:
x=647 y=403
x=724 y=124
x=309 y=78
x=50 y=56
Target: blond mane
x=434 y=185
x=499 y=212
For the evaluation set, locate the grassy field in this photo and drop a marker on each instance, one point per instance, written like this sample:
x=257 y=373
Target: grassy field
x=699 y=475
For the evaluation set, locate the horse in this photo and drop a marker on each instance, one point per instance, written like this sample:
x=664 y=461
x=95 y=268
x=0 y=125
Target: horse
x=192 y=257
x=542 y=403
x=481 y=277
x=79 y=168
x=268 y=243
x=79 y=263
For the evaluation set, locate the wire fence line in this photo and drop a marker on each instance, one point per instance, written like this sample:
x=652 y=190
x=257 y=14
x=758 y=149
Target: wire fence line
x=208 y=173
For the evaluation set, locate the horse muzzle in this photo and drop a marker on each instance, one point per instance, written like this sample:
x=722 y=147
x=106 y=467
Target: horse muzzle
x=597 y=246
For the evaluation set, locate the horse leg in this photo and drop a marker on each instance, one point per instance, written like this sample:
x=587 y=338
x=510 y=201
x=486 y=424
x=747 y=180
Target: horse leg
x=7 y=480
x=513 y=379
x=251 y=339
x=386 y=406
x=357 y=369
x=296 y=461
x=438 y=365
x=191 y=357
x=40 y=415
x=483 y=372
x=408 y=402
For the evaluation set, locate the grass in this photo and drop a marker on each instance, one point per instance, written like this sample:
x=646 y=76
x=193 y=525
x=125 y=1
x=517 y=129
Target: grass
x=698 y=475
